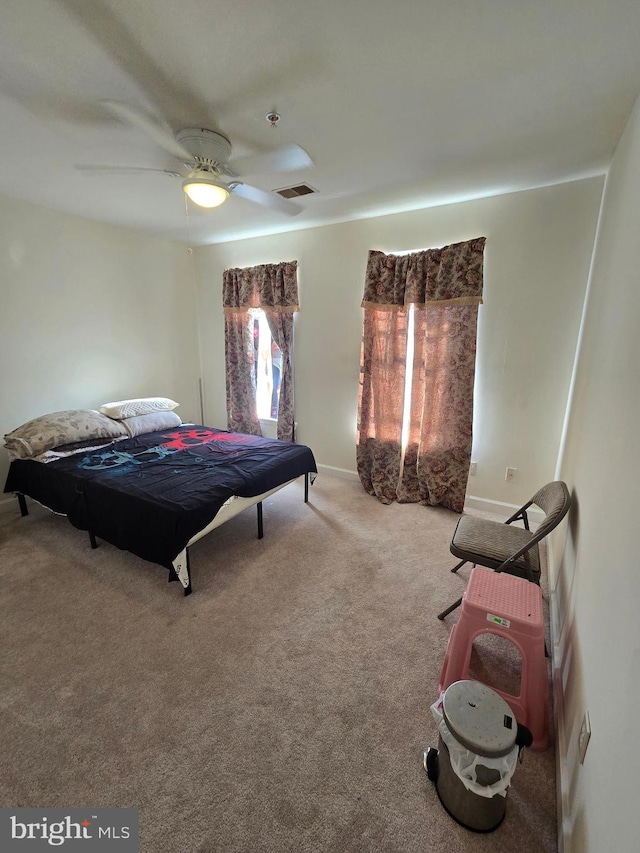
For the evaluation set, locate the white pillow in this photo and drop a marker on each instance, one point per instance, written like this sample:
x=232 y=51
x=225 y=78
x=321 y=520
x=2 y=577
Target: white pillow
x=140 y=406
x=150 y=423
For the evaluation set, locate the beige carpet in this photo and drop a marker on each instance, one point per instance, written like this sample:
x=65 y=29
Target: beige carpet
x=284 y=706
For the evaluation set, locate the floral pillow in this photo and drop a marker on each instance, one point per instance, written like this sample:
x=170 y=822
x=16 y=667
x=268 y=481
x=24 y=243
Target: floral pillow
x=52 y=430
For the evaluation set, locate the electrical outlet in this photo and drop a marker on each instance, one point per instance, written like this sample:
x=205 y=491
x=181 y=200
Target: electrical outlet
x=472 y=469
x=583 y=737
x=510 y=475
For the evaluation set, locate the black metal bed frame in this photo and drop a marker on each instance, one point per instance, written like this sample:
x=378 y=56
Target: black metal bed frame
x=24 y=510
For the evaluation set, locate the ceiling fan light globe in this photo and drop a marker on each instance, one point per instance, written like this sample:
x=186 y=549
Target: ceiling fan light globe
x=205 y=192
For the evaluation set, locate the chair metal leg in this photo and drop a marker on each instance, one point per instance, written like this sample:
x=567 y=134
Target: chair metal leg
x=450 y=609
x=459 y=566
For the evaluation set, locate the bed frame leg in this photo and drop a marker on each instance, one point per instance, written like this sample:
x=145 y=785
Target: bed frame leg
x=306 y=487
x=23 y=505
x=260 y=529
x=173 y=575
x=92 y=539
x=188 y=589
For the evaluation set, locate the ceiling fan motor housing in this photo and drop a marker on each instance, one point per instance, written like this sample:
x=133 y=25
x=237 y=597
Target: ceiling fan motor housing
x=207 y=146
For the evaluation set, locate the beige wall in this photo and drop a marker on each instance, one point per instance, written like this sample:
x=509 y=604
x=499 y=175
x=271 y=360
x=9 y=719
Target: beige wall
x=597 y=587
x=537 y=256
x=90 y=313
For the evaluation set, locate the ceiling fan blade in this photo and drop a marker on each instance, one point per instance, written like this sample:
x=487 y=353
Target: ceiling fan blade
x=266 y=199
x=124 y=170
x=148 y=125
x=287 y=158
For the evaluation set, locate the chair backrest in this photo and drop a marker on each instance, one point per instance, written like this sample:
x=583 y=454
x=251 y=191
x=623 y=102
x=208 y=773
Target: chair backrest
x=554 y=500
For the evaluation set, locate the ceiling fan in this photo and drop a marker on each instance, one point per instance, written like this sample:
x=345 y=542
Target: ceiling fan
x=206 y=162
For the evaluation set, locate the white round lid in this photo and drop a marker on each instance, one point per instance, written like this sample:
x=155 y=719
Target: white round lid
x=479 y=718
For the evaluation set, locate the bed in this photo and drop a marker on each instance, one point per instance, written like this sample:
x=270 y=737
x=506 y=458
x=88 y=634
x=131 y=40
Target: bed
x=153 y=493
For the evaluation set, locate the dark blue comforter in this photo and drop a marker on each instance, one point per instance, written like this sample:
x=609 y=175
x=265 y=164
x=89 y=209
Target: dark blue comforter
x=151 y=494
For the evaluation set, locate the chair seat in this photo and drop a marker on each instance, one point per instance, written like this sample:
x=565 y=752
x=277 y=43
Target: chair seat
x=490 y=543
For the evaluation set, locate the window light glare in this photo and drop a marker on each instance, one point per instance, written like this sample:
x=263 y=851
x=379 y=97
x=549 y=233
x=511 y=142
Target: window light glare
x=204 y=192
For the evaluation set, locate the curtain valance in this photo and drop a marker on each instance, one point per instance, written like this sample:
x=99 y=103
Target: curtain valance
x=452 y=274
x=270 y=286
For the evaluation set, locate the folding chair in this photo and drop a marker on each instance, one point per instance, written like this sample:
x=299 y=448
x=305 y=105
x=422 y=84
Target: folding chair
x=506 y=548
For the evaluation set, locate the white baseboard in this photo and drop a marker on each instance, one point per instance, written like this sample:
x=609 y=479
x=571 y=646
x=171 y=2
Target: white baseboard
x=560 y=734
x=558 y=710
x=342 y=473
x=500 y=508
x=504 y=510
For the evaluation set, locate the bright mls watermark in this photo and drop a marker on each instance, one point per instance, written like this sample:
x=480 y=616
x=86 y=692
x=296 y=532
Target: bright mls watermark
x=82 y=830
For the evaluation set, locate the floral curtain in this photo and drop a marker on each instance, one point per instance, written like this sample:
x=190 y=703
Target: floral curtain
x=445 y=288
x=274 y=288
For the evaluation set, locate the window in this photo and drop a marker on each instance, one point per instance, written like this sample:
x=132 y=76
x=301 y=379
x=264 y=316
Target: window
x=259 y=302
x=267 y=367
x=415 y=408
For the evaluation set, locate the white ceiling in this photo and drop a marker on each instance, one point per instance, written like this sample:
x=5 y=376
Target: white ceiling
x=400 y=104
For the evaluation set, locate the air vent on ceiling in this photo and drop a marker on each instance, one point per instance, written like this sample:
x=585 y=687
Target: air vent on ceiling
x=295 y=192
